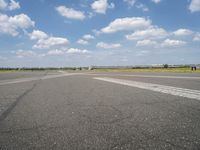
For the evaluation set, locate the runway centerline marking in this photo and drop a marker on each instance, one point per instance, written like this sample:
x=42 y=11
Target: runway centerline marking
x=188 y=93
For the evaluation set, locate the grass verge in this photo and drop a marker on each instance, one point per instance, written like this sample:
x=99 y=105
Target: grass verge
x=175 y=70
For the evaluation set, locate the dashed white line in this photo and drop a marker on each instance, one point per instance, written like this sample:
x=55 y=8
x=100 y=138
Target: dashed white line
x=188 y=93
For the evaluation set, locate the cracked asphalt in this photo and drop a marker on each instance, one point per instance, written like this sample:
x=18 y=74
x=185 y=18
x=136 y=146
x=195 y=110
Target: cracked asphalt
x=79 y=112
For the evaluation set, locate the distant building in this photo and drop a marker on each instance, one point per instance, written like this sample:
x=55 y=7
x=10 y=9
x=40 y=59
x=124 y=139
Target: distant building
x=90 y=68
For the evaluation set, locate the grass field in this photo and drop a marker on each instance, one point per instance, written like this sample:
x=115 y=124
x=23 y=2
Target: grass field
x=176 y=70
x=8 y=70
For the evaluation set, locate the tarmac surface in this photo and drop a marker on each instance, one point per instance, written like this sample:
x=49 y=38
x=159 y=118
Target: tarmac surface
x=56 y=110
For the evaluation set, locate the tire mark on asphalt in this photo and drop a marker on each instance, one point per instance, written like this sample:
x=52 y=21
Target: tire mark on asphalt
x=13 y=105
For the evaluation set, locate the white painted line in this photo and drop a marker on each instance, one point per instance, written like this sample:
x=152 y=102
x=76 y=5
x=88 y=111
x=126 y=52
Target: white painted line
x=168 y=77
x=12 y=81
x=188 y=93
x=149 y=76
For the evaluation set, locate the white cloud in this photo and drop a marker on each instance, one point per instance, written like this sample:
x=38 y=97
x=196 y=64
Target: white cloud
x=143 y=7
x=68 y=51
x=150 y=33
x=108 y=45
x=77 y=51
x=3 y=4
x=96 y=32
x=100 y=6
x=111 y=6
x=50 y=42
x=146 y=43
x=130 y=2
x=194 y=6
x=124 y=24
x=9 y=6
x=173 y=43
x=83 y=42
x=196 y=37
x=23 y=53
x=13 y=5
x=11 y=25
x=55 y=52
x=88 y=37
x=45 y=41
x=37 y=34
x=183 y=32
x=70 y=13
x=85 y=38
x=156 y=1
x=91 y=14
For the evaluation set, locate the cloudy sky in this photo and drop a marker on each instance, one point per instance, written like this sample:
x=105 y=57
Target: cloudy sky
x=61 y=33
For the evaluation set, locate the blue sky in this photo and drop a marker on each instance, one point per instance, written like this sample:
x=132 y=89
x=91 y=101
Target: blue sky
x=58 y=33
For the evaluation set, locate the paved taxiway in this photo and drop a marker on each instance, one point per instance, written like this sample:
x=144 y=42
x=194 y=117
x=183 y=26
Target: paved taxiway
x=49 y=110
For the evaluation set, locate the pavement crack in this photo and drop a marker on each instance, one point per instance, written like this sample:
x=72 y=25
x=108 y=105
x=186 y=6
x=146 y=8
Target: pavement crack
x=14 y=104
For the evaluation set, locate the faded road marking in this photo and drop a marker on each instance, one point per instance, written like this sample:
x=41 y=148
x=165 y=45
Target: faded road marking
x=188 y=93
x=149 y=76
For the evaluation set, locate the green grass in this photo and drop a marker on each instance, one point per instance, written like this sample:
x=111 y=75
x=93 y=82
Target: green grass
x=175 y=70
x=8 y=70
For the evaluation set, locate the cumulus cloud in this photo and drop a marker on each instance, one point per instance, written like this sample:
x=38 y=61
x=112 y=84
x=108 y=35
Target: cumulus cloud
x=45 y=41
x=173 y=43
x=142 y=7
x=23 y=53
x=160 y=44
x=70 y=13
x=146 y=43
x=12 y=5
x=183 y=32
x=85 y=38
x=50 y=42
x=150 y=33
x=100 y=6
x=12 y=24
x=194 y=6
x=64 y=52
x=83 y=42
x=3 y=4
x=130 y=2
x=88 y=37
x=67 y=51
x=77 y=51
x=156 y=1
x=55 y=52
x=108 y=45
x=37 y=35
x=128 y=23
x=196 y=37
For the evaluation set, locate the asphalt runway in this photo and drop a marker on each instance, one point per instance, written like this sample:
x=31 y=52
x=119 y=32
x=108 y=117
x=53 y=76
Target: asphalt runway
x=54 y=110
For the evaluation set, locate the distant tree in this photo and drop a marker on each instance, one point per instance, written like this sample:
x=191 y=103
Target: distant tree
x=166 y=66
